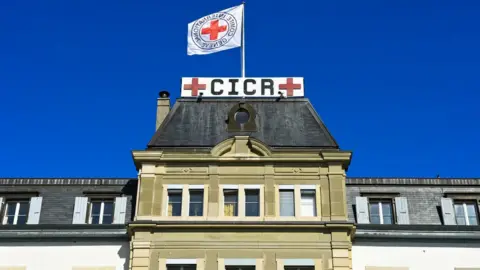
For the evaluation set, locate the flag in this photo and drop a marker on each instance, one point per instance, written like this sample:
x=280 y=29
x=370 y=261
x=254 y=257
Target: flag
x=216 y=32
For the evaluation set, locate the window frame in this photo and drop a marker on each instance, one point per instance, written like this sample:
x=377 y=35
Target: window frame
x=201 y=202
x=180 y=266
x=17 y=201
x=312 y=192
x=175 y=191
x=293 y=202
x=464 y=203
x=379 y=201
x=232 y=190
x=258 y=192
x=241 y=205
x=102 y=209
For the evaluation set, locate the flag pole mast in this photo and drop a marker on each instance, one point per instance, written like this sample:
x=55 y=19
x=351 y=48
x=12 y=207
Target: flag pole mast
x=243 y=40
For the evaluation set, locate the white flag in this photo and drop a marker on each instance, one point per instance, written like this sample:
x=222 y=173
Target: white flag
x=216 y=32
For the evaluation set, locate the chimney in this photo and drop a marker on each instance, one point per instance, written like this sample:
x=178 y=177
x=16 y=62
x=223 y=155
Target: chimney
x=163 y=107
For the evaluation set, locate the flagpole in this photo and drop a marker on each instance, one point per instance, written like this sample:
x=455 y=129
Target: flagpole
x=243 y=40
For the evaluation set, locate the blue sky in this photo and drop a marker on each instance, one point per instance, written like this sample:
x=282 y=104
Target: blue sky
x=396 y=82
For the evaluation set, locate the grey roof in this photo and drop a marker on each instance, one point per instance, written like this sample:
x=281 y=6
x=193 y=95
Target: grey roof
x=423 y=194
x=59 y=194
x=290 y=122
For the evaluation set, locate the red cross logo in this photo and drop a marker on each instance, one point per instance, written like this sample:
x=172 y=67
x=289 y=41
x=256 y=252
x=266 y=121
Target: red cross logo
x=214 y=29
x=195 y=86
x=289 y=86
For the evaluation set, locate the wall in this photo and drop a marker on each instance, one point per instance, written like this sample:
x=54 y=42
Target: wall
x=421 y=256
x=329 y=181
x=269 y=237
x=64 y=255
x=247 y=243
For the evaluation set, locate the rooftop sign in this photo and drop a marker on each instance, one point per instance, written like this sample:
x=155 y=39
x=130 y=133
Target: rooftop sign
x=242 y=87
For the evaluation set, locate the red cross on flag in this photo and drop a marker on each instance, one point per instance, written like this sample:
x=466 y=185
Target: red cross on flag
x=216 y=32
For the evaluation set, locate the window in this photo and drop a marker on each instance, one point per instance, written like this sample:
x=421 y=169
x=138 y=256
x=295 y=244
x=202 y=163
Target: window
x=101 y=212
x=239 y=267
x=308 y=207
x=230 y=208
x=181 y=266
x=300 y=267
x=466 y=213
x=174 y=202
x=196 y=203
x=381 y=211
x=287 y=203
x=16 y=212
x=252 y=202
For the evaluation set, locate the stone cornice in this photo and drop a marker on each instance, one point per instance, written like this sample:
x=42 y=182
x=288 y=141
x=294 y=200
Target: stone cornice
x=290 y=157
x=68 y=231
x=419 y=232
x=250 y=225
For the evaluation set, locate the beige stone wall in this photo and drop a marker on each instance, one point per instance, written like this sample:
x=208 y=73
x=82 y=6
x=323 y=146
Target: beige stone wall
x=239 y=163
x=152 y=249
x=329 y=182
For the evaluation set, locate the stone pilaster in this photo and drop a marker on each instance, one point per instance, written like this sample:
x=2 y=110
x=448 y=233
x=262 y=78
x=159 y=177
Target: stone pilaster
x=341 y=251
x=141 y=255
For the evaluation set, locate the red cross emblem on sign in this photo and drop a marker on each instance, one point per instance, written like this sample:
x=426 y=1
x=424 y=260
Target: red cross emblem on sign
x=214 y=29
x=289 y=86
x=195 y=86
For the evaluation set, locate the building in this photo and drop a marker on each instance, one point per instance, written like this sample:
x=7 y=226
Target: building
x=240 y=184
x=229 y=183
x=65 y=223
x=415 y=223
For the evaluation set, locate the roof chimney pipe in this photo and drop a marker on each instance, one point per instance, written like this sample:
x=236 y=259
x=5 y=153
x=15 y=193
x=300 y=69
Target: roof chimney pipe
x=163 y=107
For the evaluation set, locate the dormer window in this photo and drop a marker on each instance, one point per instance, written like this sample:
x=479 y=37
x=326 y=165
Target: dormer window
x=381 y=211
x=466 y=213
x=16 y=212
x=20 y=209
x=101 y=212
x=460 y=209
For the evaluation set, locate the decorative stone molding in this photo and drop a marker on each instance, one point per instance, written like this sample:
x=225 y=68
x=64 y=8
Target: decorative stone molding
x=241 y=146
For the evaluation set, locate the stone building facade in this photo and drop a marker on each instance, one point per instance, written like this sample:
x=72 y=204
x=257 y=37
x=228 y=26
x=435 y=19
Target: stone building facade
x=229 y=192
x=240 y=184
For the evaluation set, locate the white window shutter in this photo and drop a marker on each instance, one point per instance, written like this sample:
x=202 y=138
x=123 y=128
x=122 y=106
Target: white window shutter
x=361 y=204
x=448 y=212
x=80 y=210
x=120 y=210
x=1 y=208
x=401 y=207
x=34 y=210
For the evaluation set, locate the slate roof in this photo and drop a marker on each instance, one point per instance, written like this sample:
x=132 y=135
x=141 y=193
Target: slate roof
x=423 y=194
x=59 y=194
x=290 y=122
